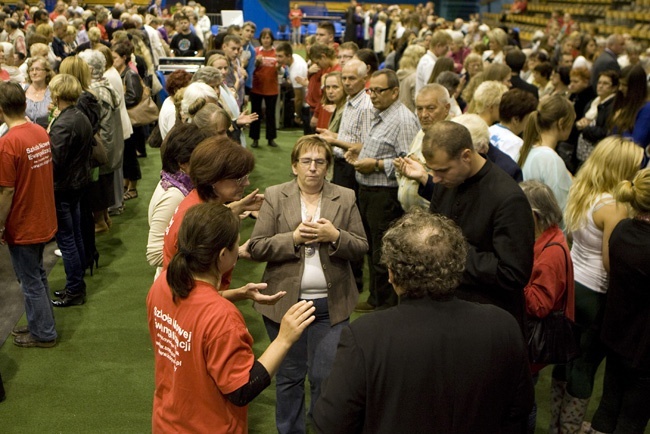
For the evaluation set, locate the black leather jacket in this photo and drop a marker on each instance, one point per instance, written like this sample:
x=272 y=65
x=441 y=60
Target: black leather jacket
x=71 y=136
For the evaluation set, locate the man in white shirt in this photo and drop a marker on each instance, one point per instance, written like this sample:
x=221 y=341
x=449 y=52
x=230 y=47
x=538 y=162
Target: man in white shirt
x=514 y=108
x=297 y=67
x=438 y=47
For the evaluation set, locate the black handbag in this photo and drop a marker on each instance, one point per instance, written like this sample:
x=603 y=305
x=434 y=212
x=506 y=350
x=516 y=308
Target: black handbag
x=552 y=339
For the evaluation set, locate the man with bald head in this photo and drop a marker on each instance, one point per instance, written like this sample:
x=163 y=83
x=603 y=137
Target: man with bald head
x=432 y=105
x=608 y=58
x=355 y=123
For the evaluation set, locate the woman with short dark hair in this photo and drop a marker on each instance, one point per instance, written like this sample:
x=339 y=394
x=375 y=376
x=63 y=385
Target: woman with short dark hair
x=308 y=231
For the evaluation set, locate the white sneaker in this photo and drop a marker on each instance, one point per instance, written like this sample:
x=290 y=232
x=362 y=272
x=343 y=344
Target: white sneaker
x=57 y=252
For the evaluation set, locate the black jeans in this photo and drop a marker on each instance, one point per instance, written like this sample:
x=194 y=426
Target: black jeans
x=624 y=406
x=269 y=115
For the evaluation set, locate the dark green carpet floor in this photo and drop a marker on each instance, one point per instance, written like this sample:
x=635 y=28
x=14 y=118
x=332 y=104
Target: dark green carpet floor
x=99 y=378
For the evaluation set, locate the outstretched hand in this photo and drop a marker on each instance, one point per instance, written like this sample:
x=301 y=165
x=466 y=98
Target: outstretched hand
x=296 y=320
x=411 y=169
x=252 y=292
x=250 y=202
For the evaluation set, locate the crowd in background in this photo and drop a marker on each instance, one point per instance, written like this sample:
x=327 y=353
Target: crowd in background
x=566 y=113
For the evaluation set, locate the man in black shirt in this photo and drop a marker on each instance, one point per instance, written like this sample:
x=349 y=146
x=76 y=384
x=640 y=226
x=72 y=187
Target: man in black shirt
x=491 y=210
x=185 y=43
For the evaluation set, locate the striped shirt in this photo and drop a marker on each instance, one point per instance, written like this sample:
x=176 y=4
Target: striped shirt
x=355 y=121
x=391 y=133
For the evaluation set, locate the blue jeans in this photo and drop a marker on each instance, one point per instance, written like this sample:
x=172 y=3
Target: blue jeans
x=28 y=265
x=312 y=355
x=68 y=237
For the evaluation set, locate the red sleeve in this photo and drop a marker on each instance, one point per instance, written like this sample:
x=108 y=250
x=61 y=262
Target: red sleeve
x=229 y=356
x=547 y=282
x=7 y=166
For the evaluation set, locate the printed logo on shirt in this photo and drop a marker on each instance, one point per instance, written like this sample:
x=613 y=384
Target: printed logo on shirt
x=39 y=155
x=184 y=44
x=171 y=338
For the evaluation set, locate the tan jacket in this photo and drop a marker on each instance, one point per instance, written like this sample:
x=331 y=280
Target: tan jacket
x=272 y=241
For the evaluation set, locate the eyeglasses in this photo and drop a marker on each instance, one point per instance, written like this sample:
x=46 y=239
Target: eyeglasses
x=377 y=90
x=241 y=180
x=320 y=162
x=36 y=69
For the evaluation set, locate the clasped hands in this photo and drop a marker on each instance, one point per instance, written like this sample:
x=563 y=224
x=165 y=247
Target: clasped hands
x=320 y=231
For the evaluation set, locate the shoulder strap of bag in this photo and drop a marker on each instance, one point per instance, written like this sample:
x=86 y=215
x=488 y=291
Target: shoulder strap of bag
x=566 y=268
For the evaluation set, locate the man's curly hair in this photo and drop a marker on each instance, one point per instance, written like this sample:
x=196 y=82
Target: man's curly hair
x=426 y=254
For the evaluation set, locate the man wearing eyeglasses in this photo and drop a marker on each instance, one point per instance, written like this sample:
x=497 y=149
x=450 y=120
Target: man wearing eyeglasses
x=392 y=129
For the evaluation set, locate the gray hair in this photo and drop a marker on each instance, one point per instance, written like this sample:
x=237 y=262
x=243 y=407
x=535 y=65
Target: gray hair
x=487 y=94
x=449 y=80
x=425 y=253
x=441 y=91
x=96 y=61
x=477 y=128
x=361 y=68
x=208 y=75
x=195 y=91
x=543 y=202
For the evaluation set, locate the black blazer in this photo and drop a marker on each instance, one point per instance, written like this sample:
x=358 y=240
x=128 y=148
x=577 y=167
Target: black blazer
x=519 y=83
x=428 y=366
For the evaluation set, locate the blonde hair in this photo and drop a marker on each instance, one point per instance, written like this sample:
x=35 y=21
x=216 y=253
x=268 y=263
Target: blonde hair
x=550 y=111
x=499 y=36
x=411 y=56
x=65 y=87
x=213 y=58
x=487 y=95
x=636 y=192
x=477 y=128
x=45 y=30
x=614 y=159
x=94 y=35
x=39 y=49
x=76 y=67
x=46 y=66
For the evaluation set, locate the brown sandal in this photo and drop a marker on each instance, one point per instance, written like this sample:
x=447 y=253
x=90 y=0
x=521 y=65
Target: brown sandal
x=131 y=193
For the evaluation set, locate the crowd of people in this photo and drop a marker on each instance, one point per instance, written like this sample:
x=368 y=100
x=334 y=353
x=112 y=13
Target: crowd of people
x=491 y=183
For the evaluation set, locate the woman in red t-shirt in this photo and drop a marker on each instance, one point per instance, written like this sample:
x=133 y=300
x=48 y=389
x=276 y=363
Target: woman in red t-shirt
x=265 y=88
x=205 y=369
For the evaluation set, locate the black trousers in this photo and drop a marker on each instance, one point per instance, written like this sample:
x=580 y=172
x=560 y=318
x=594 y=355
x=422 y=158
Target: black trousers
x=269 y=115
x=130 y=164
x=343 y=175
x=379 y=207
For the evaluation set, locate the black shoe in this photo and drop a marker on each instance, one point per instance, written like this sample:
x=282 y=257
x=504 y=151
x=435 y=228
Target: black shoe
x=256 y=144
x=70 y=300
x=61 y=293
x=273 y=144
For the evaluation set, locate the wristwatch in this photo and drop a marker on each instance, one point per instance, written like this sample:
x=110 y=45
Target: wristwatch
x=376 y=165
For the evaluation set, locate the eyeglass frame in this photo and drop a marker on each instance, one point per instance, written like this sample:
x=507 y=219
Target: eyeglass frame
x=378 y=91
x=320 y=162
